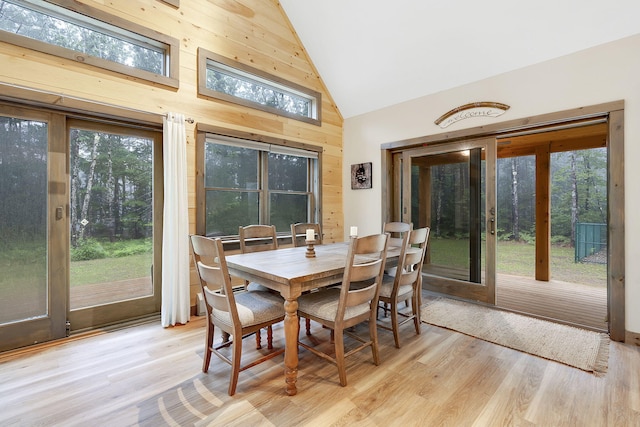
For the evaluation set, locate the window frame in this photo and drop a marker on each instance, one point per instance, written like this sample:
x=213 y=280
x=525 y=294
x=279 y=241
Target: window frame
x=114 y=25
x=205 y=56
x=314 y=213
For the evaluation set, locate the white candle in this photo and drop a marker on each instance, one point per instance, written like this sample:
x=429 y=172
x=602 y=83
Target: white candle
x=311 y=235
x=354 y=231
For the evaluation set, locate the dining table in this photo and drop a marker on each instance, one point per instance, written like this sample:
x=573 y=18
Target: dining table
x=292 y=271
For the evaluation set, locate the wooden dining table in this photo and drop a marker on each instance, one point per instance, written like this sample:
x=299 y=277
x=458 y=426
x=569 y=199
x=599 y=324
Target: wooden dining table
x=290 y=271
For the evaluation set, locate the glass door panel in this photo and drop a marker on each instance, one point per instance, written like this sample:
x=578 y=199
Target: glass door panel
x=452 y=189
x=23 y=219
x=31 y=305
x=111 y=224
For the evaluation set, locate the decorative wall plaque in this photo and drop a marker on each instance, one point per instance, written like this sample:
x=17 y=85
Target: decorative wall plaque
x=475 y=109
x=360 y=176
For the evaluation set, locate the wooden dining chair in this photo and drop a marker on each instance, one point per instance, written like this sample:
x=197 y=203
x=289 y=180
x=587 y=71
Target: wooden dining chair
x=204 y=250
x=396 y=231
x=299 y=232
x=300 y=229
x=238 y=314
x=407 y=282
x=341 y=308
x=258 y=238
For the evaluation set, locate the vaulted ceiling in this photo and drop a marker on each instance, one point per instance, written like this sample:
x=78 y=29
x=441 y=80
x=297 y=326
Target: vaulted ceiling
x=375 y=53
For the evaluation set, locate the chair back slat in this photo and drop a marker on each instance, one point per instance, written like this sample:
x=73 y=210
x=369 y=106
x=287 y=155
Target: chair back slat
x=216 y=300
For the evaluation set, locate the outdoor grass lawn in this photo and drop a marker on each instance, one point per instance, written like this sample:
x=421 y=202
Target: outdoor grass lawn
x=110 y=269
x=518 y=259
x=513 y=258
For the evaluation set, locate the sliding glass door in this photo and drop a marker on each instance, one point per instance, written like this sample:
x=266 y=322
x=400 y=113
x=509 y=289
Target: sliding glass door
x=81 y=224
x=451 y=189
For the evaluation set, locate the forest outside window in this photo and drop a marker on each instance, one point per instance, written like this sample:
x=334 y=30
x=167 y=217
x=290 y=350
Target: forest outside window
x=100 y=39
x=248 y=182
x=228 y=80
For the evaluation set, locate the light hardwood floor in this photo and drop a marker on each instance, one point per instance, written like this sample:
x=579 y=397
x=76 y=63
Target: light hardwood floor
x=150 y=376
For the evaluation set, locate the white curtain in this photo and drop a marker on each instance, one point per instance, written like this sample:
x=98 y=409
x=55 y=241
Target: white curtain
x=175 y=239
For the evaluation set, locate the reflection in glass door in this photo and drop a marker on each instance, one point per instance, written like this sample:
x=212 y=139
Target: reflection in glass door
x=31 y=290
x=23 y=219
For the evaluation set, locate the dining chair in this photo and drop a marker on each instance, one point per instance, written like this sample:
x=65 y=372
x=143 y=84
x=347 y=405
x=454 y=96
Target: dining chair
x=238 y=314
x=407 y=283
x=204 y=250
x=300 y=228
x=258 y=238
x=397 y=231
x=342 y=308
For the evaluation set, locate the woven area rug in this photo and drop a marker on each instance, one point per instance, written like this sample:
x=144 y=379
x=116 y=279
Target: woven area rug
x=580 y=348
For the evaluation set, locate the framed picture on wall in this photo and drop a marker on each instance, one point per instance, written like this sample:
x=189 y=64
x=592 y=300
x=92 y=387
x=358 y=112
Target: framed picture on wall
x=361 y=176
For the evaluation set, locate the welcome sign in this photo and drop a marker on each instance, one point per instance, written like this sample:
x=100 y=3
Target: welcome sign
x=475 y=109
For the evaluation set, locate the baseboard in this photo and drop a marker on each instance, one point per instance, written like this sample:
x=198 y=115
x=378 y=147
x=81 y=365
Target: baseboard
x=632 y=338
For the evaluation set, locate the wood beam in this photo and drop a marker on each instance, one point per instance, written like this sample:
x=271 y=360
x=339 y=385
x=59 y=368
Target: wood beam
x=543 y=213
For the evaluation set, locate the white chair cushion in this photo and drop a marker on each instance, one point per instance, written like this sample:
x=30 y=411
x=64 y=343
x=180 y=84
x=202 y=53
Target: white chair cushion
x=257 y=287
x=387 y=288
x=324 y=305
x=253 y=308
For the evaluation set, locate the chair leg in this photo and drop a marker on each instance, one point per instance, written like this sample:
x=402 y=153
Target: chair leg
x=373 y=335
x=339 y=346
x=235 y=365
x=394 y=323
x=225 y=337
x=416 y=312
x=308 y=325
x=269 y=337
x=258 y=340
x=207 y=347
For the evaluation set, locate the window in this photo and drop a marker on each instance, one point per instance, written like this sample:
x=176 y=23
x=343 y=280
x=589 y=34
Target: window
x=118 y=46
x=228 y=80
x=248 y=182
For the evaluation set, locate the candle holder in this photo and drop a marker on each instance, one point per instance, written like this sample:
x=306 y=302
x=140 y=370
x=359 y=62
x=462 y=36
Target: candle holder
x=311 y=252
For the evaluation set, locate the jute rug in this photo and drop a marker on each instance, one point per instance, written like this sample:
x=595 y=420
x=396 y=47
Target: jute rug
x=575 y=347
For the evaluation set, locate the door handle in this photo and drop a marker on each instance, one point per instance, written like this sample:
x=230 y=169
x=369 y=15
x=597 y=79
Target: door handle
x=59 y=212
x=493 y=225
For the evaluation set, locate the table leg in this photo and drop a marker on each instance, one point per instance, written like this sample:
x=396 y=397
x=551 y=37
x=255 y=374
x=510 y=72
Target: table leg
x=291 y=344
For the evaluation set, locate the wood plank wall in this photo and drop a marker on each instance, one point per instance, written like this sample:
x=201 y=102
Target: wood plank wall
x=254 y=32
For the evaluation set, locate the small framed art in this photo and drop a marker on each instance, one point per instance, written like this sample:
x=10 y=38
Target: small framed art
x=361 y=176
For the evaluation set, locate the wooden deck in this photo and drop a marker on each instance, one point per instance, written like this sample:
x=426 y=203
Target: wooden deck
x=574 y=304
x=106 y=293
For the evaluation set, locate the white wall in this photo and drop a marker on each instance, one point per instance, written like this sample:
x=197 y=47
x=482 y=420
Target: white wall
x=606 y=73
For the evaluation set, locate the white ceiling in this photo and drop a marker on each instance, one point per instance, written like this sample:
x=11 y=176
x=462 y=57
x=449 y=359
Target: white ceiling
x=376 y=53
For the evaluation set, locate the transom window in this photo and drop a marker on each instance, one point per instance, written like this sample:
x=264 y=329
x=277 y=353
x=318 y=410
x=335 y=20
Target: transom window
x=248 y=182
x=229 y=80
x=64 y=32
